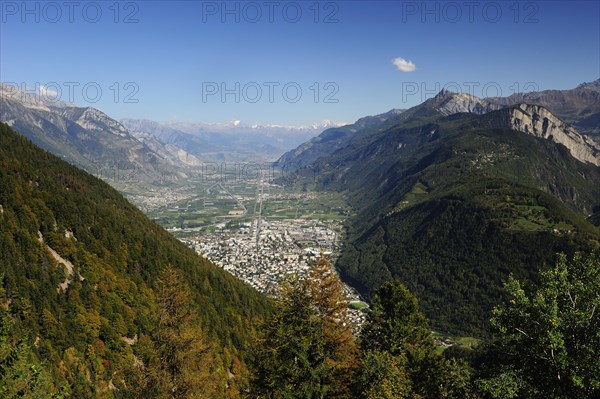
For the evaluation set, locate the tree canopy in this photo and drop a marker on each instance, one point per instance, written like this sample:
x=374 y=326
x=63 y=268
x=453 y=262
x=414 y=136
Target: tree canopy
x=549 y=342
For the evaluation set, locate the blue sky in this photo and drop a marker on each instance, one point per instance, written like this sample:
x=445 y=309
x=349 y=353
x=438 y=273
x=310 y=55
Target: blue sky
x=291 y=63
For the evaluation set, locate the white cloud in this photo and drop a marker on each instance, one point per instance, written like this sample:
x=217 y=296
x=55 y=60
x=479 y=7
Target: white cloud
x=404 y=65
x=48 y=93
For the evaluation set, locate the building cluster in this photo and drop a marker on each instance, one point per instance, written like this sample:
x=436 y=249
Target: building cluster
x=266 y=253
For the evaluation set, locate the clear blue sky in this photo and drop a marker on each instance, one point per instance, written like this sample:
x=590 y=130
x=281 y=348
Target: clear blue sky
x=175 y=58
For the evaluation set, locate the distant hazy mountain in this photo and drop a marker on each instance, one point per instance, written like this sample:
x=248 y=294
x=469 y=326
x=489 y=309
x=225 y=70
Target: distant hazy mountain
x=233 y=142
x=141 y=151
x=86 y=137
x=454 y=194
x=173 y=144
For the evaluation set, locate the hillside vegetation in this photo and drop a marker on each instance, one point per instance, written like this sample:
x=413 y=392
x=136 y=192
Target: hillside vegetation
x=452 y=204
x=80 y=271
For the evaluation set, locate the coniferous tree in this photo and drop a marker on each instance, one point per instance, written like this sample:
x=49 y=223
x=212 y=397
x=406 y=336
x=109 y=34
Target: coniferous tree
x=22 y=375
x=397 y=327
x=289 y=354
x=183 y=354
x=382 y=376
x=326 y=293
x=306 y=350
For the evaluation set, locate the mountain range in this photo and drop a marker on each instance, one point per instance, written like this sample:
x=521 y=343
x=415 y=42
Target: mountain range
x=455 y=194
x=450 y=196
x=229 y=142
x=85 y=137
x=578 y=107
x=141 y=152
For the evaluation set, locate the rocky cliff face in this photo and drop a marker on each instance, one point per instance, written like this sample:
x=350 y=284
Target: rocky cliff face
x=448 y=103
x=538 y=121
x=579 y=106
x=95 y=120
x=527 y=118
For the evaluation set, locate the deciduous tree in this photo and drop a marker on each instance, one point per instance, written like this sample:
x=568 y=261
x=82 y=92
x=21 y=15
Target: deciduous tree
x=550 y=338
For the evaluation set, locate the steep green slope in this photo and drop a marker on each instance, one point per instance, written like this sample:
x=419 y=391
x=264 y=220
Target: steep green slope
x=54 y=217
x=453 y=204
x=454 y=250
x=467 y=213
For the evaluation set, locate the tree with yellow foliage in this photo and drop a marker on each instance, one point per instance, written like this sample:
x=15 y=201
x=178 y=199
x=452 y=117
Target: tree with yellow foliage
x=306 y=349
x=183 y=354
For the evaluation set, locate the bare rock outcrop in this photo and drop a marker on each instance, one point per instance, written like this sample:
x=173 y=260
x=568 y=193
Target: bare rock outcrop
x=538 y=121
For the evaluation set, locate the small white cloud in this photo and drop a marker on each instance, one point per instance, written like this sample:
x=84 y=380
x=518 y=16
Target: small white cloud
x=404 y=65
x=48 y=93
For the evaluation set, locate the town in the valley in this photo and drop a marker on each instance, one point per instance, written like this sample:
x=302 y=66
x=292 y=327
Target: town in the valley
x=260 y=232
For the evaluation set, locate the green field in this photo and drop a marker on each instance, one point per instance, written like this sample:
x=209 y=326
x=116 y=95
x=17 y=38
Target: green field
x=358 y=305
x=416 y=194
x=444 y=341
x=207 y=205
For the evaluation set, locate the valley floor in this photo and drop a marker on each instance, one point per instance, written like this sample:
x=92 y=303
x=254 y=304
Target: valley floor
x=259 y=232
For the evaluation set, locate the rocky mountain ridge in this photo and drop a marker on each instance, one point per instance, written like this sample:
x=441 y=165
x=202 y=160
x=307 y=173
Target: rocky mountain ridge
x=579 y=106
x=448 y=103
x=539 y=122
x=88 y=138
x=519 y=116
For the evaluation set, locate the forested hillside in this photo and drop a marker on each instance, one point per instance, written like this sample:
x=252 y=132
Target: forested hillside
x=469 y=208
x=99 y=302
x=545 y=343
x=81 y=293
x=452 y=204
